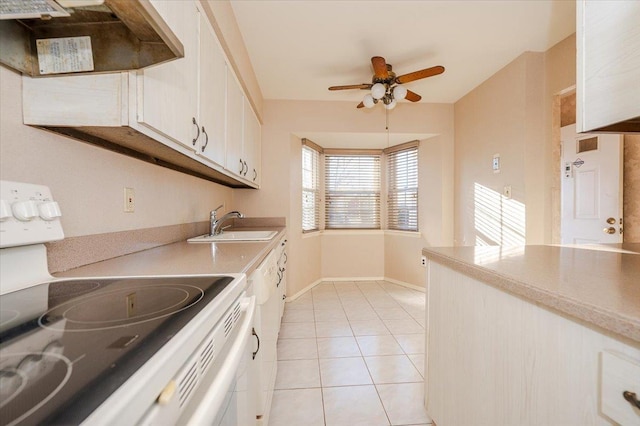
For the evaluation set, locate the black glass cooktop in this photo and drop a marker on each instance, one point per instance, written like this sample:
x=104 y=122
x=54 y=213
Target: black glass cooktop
x=66 y=346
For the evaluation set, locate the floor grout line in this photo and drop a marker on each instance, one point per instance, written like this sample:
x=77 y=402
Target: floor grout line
x=362 y=298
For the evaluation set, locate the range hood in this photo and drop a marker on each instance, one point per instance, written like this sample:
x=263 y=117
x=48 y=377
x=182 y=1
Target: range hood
x=53 y=37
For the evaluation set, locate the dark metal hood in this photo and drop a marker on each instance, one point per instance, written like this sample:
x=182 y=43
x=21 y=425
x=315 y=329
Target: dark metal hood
x=108 y=36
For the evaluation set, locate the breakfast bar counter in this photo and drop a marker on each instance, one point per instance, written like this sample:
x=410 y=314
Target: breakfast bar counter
x=533 y=335
x=600 y=287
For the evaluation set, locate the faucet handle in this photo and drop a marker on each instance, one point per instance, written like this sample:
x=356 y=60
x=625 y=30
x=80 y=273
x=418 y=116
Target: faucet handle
x=214 y=212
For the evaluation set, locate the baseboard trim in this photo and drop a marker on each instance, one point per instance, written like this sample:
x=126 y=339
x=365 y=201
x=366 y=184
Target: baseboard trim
x=303 y=291
x=404 y=284
x=343 y=279
x=353 y=279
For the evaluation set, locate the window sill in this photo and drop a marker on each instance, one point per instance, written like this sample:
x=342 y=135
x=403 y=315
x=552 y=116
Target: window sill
x=311 y=234
x=353 y=232
x=410 y=234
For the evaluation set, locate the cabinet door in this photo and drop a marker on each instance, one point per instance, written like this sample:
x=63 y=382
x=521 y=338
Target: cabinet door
x=169 y=91
x=251 y=144
x=235 y=163
x=212 y=95
x=608 y=64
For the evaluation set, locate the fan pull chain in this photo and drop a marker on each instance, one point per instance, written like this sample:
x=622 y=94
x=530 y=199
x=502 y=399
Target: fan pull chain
x=386 y=115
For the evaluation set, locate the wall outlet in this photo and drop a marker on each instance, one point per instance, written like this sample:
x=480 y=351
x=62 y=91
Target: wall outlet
x=506 y=191
x=423 y=261
x=129 y=200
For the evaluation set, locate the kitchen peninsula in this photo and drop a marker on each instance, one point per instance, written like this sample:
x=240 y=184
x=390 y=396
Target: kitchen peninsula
x=532 y=335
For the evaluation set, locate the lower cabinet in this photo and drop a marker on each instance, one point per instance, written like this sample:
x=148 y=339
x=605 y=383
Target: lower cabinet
x=496 y=359
x=264 y=281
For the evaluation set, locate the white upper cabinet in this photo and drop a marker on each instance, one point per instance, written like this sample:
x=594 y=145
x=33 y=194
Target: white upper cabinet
x=236 y=164
x=243 y=135
x=212 y=95
x=187 y=114
x=169 y=101
x=608 y=66
x=251 y=144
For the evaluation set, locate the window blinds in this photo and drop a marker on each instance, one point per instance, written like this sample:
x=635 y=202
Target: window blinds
x=402 y=197
x=310 y=189
x=352 y=191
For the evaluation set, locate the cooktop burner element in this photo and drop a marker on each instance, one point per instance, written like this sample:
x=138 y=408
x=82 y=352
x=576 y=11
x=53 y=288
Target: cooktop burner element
x=78 y=335
x=36 y=379
x=104 y=309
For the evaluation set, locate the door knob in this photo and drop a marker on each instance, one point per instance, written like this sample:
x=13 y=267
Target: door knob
x=611 y=221
x=609 y=230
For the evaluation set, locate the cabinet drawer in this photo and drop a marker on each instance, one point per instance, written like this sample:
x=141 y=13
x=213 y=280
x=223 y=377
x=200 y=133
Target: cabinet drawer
x=619 y=374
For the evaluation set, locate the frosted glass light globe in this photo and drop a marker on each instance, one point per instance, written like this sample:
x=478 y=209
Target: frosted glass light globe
x=391 y=105
x=368 y=101
x=399 y=92
x=378 y=91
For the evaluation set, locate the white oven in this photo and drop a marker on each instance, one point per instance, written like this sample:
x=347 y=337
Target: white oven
x=115 y=350
x=214 y=387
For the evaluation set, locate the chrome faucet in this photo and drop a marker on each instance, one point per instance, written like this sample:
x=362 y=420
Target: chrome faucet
x=216 y=224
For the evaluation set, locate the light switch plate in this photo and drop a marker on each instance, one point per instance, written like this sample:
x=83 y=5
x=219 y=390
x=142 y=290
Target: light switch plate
x=495 y=164
x=129 y=200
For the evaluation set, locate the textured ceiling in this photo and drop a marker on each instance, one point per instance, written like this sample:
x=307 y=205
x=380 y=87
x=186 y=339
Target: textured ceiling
x=300 y=48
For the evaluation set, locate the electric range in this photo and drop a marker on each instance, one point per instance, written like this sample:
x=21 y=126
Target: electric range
x=95 y=350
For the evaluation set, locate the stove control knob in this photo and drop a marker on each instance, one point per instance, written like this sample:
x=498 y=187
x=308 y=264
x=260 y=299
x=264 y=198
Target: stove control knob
x=25 y=210
x=49 y=210
x=5 y=210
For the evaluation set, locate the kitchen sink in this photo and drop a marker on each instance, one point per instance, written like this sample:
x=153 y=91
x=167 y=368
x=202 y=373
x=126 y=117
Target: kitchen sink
x=232 y=236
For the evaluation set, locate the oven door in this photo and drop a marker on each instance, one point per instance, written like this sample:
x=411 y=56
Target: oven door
x=223 y=395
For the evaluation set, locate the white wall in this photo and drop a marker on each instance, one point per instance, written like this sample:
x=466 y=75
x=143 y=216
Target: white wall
x=88 y=181
x=502 y=116
x=313 y=257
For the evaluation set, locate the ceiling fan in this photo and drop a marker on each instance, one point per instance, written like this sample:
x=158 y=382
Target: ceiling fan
x=385 y=86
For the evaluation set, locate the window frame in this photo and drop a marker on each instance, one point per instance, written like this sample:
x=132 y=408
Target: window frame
x=315 y=188
x=336 y=196
x=409 y=189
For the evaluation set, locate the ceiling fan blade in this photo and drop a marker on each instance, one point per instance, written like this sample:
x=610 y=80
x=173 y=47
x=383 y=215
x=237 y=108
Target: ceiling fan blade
x=379 y=67
x=412 y=96
x=417 y=75
x=352 y=86
x=360 y=105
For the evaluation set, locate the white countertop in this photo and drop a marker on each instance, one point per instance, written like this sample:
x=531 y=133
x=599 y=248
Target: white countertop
x=184 y=258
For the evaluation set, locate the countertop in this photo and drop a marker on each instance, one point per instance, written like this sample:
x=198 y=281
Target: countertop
x=184 y=258
x=598 y=287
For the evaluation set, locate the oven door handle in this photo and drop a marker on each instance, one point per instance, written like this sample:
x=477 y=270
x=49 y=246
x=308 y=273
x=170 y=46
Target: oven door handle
x=211 y=401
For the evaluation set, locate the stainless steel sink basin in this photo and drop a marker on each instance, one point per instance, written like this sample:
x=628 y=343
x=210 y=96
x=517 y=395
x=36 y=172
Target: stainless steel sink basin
x=233 y=236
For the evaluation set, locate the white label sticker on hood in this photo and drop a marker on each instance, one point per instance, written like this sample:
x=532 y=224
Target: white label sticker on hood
x=63 y=55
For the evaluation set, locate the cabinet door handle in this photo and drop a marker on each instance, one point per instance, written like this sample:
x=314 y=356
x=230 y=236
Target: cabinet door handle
x=255 y=175
x=253 y=331
x=285 y=258
x=206 y=139
x=632 y=398
x=246 y=168
x=241 y=166
x=193 y=119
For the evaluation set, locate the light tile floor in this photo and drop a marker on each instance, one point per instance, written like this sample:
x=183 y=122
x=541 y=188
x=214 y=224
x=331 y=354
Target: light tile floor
x=351 y=353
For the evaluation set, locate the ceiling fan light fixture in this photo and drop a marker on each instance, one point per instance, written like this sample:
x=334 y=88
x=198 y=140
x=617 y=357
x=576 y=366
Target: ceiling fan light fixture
x=390 y=105
x=378 y=91
x=368 y=101
x=399 y=92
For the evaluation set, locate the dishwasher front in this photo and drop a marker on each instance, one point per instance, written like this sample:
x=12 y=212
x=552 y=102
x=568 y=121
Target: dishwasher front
x=264 y=282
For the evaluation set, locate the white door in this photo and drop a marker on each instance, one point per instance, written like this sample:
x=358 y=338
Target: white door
x=591 y=188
